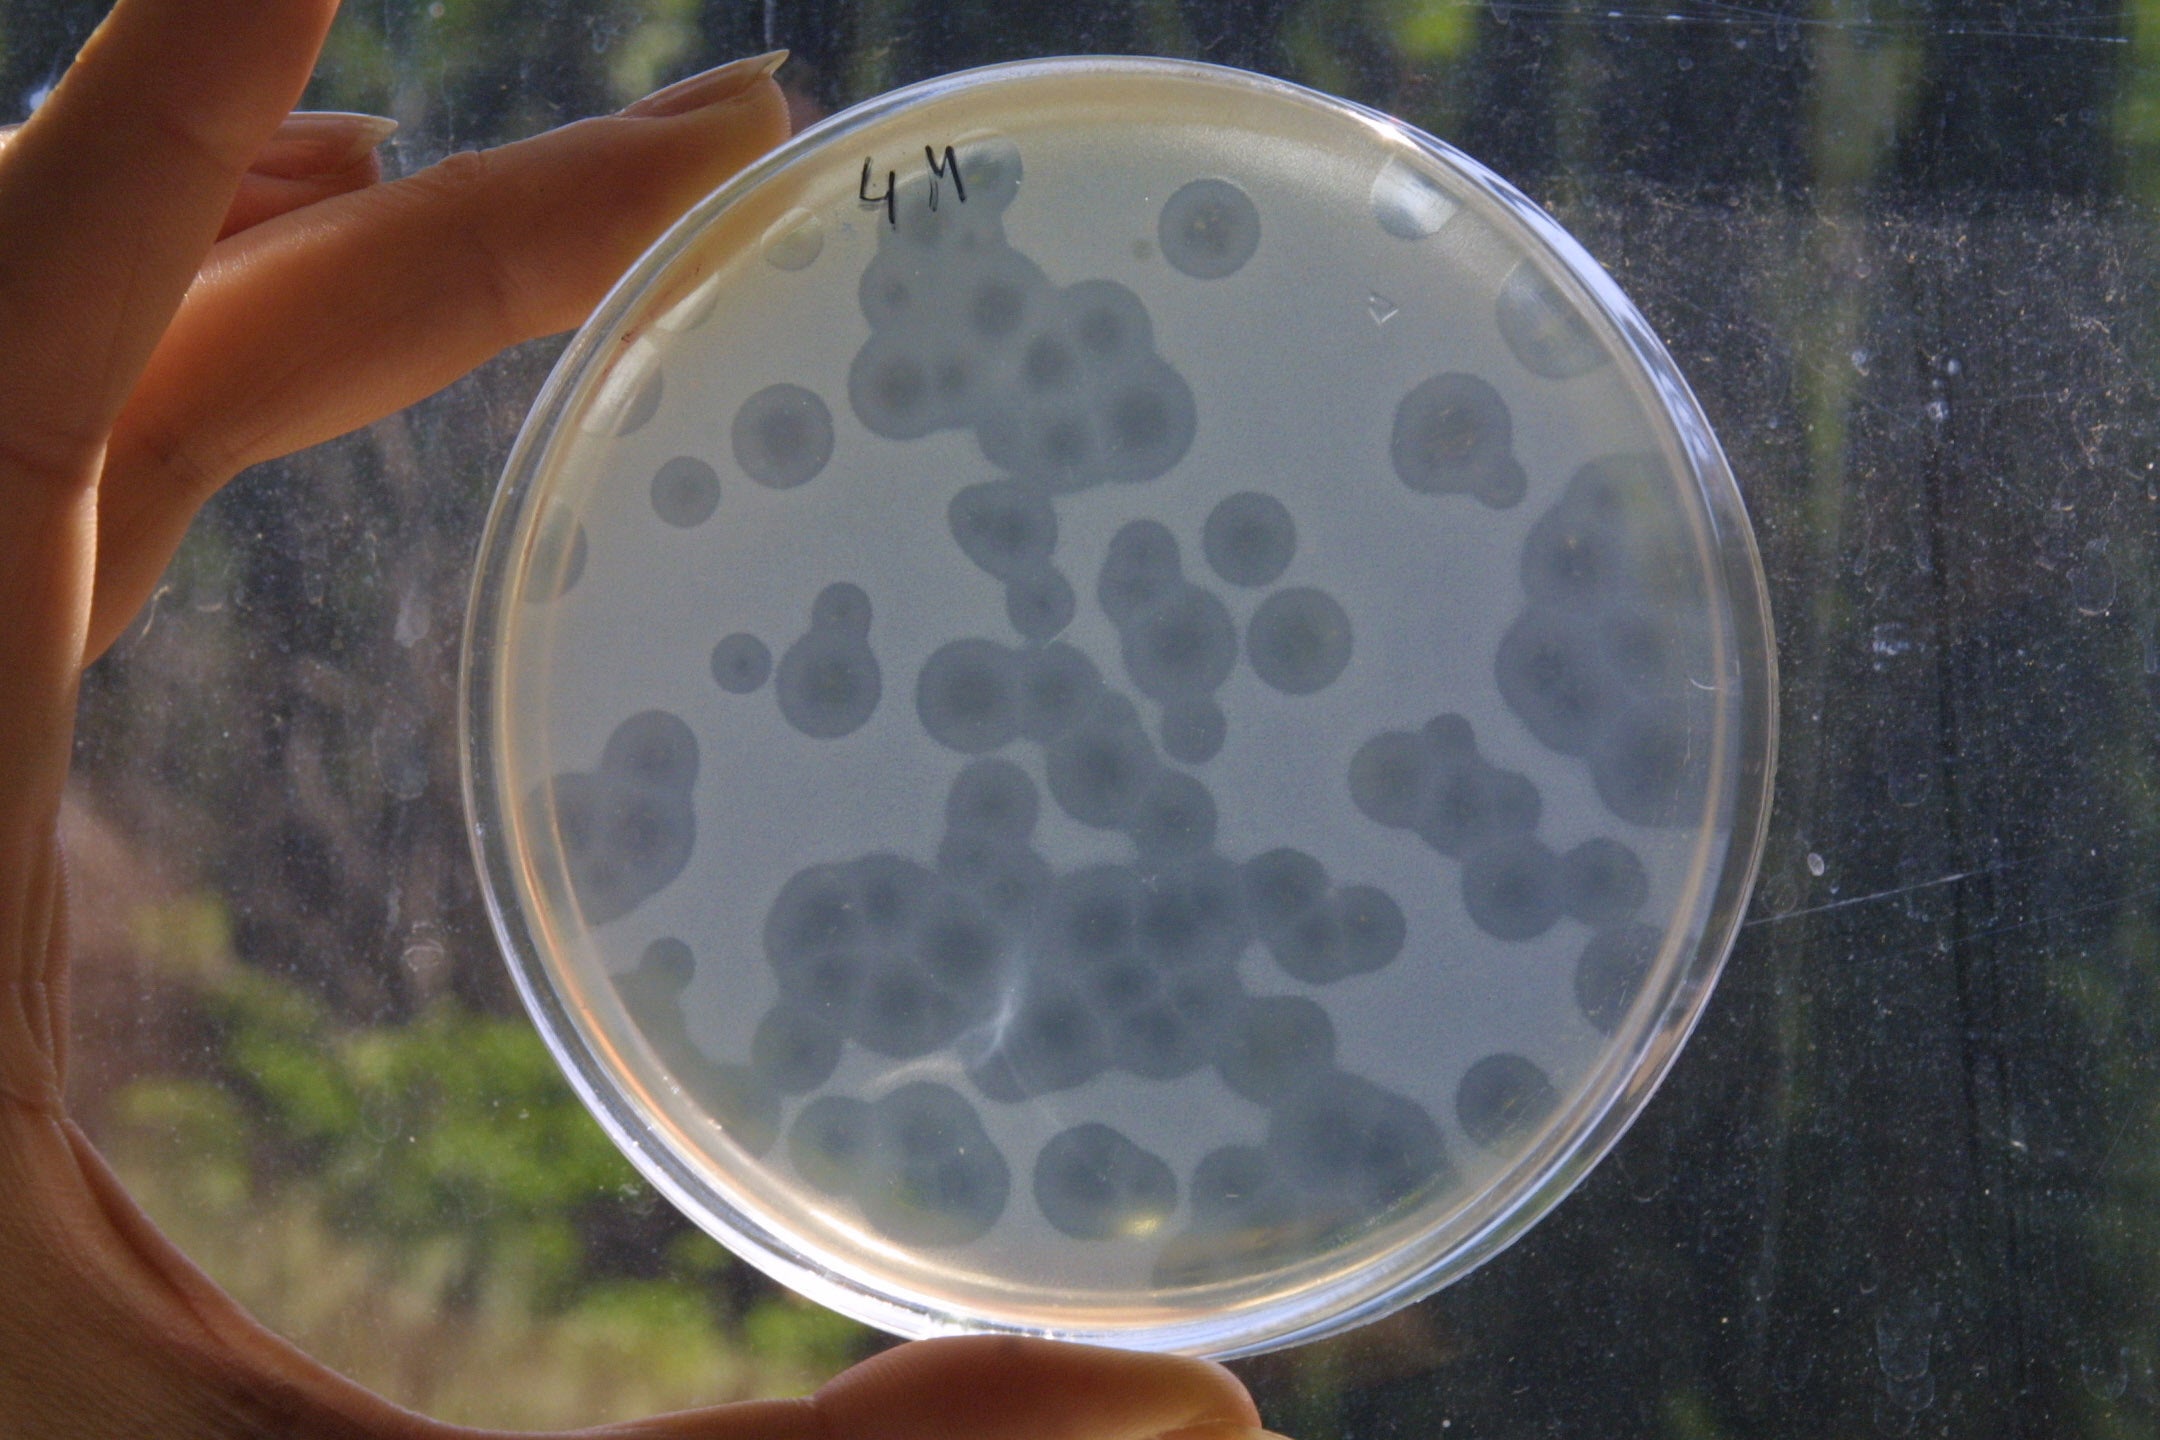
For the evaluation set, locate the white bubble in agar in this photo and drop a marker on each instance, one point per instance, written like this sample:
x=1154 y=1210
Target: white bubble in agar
x=1408 y=204
x=795 y=240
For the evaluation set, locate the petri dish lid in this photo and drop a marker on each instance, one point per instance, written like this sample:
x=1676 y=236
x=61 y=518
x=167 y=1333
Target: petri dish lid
x=1117 y=700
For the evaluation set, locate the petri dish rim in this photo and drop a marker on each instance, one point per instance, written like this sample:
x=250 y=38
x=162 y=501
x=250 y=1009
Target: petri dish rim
x=1613 y=1091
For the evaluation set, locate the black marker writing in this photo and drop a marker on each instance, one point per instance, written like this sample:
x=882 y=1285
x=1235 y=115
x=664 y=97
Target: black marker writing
x=951 y=167
x=942 y=167
x=862 y=191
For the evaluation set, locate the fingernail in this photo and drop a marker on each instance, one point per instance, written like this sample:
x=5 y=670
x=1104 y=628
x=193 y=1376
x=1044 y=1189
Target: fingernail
x=316 y=142
x=723 y=82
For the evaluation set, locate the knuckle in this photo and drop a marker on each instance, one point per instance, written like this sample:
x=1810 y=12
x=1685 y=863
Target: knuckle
x=58 y=455
x=461 y=190
x=177 y=463
x=462 y=174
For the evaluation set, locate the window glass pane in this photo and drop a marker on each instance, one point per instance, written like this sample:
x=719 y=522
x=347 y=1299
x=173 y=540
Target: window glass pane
x=1902 y=1180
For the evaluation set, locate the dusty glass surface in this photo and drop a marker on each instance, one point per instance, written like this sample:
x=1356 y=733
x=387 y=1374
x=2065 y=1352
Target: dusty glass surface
x=1903 y=1179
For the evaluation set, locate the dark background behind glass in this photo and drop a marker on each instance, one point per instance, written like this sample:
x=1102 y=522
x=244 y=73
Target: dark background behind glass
x=1905 y=1179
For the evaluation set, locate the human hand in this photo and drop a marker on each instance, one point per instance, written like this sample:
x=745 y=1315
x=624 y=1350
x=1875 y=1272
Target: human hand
x=179 y=299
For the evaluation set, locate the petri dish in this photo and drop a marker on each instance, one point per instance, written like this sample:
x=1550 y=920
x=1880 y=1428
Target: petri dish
x=1117 y=700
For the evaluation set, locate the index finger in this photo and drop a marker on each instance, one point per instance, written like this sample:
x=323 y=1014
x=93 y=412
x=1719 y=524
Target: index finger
x=114 y=191
x=109 y=197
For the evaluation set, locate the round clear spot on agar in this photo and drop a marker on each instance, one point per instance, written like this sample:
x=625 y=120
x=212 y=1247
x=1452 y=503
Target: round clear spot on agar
x=1503 y=1096
x=1040 y=602
x=741 y=663
x=1004 y=526
x=685 y=492
x=783 y=436
x=1058 y=686
x=1276 y=1046
x=626 y=828
x=1193 y=731
x=1209 y=229
x=1602 y=882
x=1037 y=754
x=1611 y=971
x=842 y=608
x=1453 y=436
x=829 y=681
x=1249 y=539
x=1094 y=1184
x=968 y=696
x=795 y=1051
x=993 y=797
x=1299 y=640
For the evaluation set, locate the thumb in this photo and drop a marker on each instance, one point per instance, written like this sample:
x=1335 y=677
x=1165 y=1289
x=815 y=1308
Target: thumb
x=991 y=1387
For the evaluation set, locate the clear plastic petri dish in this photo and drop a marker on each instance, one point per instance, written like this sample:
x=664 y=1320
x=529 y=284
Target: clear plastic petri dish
x=1117 y=700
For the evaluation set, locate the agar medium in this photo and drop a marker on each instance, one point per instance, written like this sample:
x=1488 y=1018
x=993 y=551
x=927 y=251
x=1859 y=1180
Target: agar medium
x=1116 y=700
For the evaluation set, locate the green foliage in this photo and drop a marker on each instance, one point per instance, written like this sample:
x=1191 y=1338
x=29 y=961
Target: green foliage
x=789 y=1325
x=2137 y=105
x=650 y=53
x=1688 y=1416
x=456 y=1127
x=452 y=1151
x=500 y=68
x=1428 y=30
x=200 y=1121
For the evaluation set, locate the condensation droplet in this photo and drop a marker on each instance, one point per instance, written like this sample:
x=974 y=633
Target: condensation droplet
x=1410 y=205
x=795 y=241
x=1892 y=1418
x=1905 y=1341
x=1891 y=639
x=1916 y=1394
x=1938 y=411
x=2092 y=581
x=425 y=959
x=401 y=759
x=413 y=621
x=1647 y=1171
x=2105 y=1378
x=1780 y=894
x=1905 y=776
x=1815 y=865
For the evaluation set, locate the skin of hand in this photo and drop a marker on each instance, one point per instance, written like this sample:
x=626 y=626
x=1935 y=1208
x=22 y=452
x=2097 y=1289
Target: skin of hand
x=193 y=280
